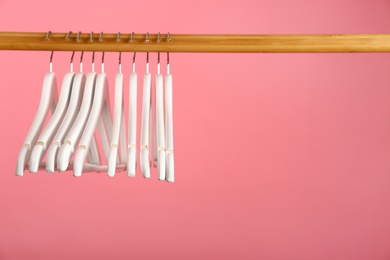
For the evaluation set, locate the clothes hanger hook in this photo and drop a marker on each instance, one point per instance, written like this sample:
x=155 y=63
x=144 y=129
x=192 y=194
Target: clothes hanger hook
x=101 y=39
x=81 y=61
x=120 y=62
x=147 y=54
x=78 y=37
x=51 y=61
x=134 y=62
x=103 y=62
x=91 y=37
x=47 y=35
x=158 y=54
x=71 y=62
x=147 y=62
x=67 y=35
x=158 y=63
x=118 y=38
x=168 y=66
x=132 y=37
x=93 y=61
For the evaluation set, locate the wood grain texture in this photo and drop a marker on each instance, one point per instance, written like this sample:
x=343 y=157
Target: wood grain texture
x=223 y=43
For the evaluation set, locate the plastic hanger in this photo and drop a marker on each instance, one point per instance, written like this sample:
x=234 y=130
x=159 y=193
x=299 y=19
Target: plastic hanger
x=146 y=123
x=70 y=116
x=100 y=109
x=49 y=99
x=159 y=132
x=46 y=137
x=67 y=148
x=132 y=149
x=118 y=132
x=170 y=176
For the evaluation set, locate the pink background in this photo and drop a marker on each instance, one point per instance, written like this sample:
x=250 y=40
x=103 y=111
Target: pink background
x=278 y=156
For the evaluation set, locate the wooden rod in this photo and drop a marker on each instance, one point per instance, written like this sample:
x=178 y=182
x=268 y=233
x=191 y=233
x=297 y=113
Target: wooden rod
x=255 y=43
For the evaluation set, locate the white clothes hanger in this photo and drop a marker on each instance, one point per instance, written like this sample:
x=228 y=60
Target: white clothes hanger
x=47 y=135
x=170 y=176
x=48 y=101
x=132 y=149
x=119 y=131
x=146 y=123
x=68 y=147
x=100 y=109
x=159 y=132
x=70 y=116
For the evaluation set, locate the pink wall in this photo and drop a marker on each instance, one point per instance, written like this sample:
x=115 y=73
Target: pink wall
x=278 y=156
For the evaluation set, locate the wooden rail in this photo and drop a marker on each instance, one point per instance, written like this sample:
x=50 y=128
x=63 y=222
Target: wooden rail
x=228 y=43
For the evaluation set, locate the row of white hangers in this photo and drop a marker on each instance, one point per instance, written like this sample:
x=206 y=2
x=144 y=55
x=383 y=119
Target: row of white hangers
x=83 y=105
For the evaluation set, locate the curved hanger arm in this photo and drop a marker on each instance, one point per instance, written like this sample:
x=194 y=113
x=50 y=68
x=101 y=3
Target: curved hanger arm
x=118 y=128
x=67 y=148
x=69 y=118
x=132 y=138
x=48 y=100
x=47 y=135
x=159 y=126
x=100 y=108
x=169 y=129
x=146 y=127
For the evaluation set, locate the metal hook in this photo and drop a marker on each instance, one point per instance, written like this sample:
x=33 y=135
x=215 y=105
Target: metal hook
x=147 y=54
x=132 y=37
x=81 y=61
x=67 y=35
x=158 y=63
x=71 y=62
x=168 y=67
x=91 y=37
x=78 y=37
x=51 y=61
x=93 y=61
x=158 y=55
x=47 y=35
x=147 y=62
x=103 y=62
x=118 y=38
x=120 y=62
x=134 y=62
x=101 y=37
